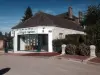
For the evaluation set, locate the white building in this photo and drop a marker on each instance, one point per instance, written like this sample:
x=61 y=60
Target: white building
x=38 y=32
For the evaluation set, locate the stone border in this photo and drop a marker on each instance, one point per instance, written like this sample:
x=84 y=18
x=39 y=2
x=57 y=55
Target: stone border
x=94 y=63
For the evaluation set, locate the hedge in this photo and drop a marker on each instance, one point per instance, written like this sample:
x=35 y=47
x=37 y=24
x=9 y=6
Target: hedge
x=57 y=44
x=75 y=45
x=75 y=38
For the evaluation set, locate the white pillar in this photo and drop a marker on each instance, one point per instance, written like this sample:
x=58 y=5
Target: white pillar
x=50 y=42
x=63 y=49
x=92 y=51
x=15 y=39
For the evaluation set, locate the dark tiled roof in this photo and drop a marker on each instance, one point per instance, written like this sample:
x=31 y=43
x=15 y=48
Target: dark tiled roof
x=42 y=18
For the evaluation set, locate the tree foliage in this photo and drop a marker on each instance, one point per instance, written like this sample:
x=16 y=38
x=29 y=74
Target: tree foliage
x=1 y=33
x=28 y=14
x=92 y=22
x=6 y=34
x=92 y=15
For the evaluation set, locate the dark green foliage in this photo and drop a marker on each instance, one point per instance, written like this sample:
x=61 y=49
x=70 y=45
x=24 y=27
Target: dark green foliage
x=1 y=33
x=9 y=34
x=70 y=40
x=9 y=40
x=71 y=49
x=28 y=14
x=83 y=50
x=75 y=38
x=75 y=45
x=57 y=44
x=92 y=15
x=93 y=35
x=98 y=54
x=6 y=34
x=82 y=39
x=93 y=26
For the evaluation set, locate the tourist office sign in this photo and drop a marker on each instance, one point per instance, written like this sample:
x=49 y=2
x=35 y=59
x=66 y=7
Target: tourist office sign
x=26 y=32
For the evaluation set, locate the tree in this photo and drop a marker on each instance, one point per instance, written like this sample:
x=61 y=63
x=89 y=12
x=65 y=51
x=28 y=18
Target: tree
x=6 y=34
x=9 y=34
x=92 y=15
x=28 y=14
x=92 y=22
x=1 y=33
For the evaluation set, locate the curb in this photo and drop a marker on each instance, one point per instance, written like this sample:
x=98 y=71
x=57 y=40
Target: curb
x=94 y=63
x=83 y=61
x=75 y=59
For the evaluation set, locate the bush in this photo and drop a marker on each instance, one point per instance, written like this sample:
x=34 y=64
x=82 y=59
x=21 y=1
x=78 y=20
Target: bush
x=75 y=38
x=70 y=49
x=76 y=45
x=83 y=50
x=98 y=54
x=57 y=44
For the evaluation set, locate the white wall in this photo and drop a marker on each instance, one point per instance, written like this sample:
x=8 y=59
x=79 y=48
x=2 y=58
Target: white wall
x=65 y=31
x=45 y=28
x=52 y=31
x=33 y=30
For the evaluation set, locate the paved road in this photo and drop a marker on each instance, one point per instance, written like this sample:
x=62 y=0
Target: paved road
x=23 y=65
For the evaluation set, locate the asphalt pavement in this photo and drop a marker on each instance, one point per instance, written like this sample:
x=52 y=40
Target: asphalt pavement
x=31 y=65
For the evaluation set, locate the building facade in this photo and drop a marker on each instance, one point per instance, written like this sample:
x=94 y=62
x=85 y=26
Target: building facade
x=37 y=33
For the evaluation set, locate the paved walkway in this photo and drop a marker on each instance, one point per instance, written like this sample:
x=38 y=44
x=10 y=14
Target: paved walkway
x=24 y=65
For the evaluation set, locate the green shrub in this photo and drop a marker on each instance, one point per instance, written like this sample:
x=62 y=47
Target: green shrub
x=57 y=44
x=76 y=45
x=98 y=54
x=70 y=49
x=83 y=50
x=75 y=39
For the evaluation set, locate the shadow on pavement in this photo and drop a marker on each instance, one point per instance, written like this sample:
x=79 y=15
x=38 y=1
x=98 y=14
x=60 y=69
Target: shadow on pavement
x=4 y=70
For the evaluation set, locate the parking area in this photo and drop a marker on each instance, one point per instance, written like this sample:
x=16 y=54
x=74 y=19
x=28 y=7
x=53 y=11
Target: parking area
x=31 y=65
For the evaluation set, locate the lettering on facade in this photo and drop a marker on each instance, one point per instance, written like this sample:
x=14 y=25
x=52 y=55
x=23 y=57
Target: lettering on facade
x=26 y=32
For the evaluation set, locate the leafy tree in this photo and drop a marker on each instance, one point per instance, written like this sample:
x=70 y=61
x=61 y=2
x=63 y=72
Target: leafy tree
x=92 y=15
x=6 y=34
x=28 y=14
x=9 y=34
x=1 y=33
x=92 y=22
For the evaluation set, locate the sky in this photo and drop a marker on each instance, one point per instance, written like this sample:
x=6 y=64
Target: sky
x=11 y=11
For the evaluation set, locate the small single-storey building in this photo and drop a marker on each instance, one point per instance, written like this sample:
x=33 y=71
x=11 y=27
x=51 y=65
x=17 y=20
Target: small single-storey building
x=38 y=32
x=1 y=43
